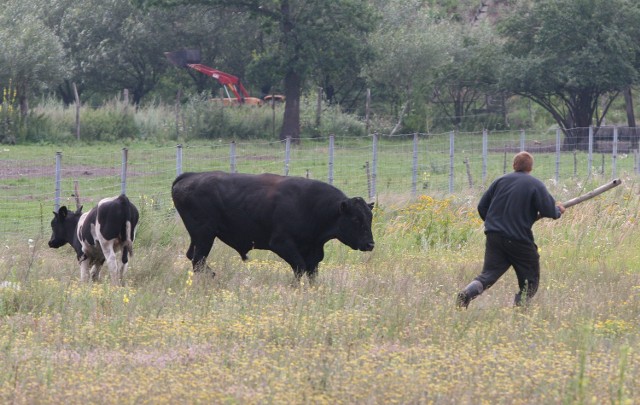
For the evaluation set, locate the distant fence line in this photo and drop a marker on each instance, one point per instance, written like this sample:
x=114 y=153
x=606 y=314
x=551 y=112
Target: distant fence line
x=408 y=164
x=372 y=173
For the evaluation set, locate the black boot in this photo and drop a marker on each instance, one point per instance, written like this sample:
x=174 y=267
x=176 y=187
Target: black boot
x=470 y=292
x=523 y=298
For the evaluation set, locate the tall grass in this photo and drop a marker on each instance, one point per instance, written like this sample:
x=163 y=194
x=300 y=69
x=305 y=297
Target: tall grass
x=378 y=327
x=196 y=118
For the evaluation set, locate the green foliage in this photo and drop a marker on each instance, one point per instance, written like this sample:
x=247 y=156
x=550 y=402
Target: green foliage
x=10 y=299
x=31 y=54
x=409 y=45
x=303 y=40
x=210 y=119
x=565 y=55
x=333 y=121
x=107 y=124
x=9 y=115
x=54 y=123
x=157 y=122
x=429 y=64
x=18 y=128
x=38 y=128
x=430 y=223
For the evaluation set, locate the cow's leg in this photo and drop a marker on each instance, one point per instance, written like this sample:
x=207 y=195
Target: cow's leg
x=289 y=252
x=190 y=251
x=111 y=259
x=84 y=270
x=95 y=271
x=200 y=251
x=313 y=258
x=124 y=264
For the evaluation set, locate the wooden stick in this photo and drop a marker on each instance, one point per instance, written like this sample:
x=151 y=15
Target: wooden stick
x=592 y=193
x=77 y=194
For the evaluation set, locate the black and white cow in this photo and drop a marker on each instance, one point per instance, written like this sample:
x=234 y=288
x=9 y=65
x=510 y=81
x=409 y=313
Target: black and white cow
x=291 y=216
x=97 y=235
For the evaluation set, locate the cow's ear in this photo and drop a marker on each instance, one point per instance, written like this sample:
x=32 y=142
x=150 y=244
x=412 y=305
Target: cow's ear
x=371 y=205
x=62 y=212
x=79 y=210
x=344 y=206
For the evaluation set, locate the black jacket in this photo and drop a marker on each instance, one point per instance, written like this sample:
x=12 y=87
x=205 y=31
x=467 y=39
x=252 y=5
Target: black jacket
x=513 y=203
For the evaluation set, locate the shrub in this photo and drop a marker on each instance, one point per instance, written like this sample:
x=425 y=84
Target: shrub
x=333 y=121
x=429 y=222
x=9 y=115
x=107 y=124
x=208 y=119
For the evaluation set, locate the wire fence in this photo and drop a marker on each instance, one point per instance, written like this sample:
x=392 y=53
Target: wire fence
x=375 y=167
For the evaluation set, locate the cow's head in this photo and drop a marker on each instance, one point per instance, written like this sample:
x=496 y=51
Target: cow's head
x=63 y=226
x=354 y=224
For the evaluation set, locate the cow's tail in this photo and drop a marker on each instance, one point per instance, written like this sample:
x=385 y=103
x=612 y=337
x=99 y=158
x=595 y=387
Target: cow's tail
x=126 y=231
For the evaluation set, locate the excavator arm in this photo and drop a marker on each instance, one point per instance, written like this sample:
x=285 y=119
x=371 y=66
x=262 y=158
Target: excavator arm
x=229 y=82
x=190 y=58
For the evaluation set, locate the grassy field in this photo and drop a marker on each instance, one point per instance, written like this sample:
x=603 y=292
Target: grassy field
x=377 y=328
x=28 y=187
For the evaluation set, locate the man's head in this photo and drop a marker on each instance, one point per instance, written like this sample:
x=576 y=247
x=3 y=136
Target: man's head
x=523 y=162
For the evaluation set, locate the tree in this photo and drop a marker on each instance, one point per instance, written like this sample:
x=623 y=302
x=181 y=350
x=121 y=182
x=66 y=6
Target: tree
x=31 y=54
x=465 y=85
x=301 y=35
x=409 y=46
x=113 y=46
x=226 y=41
x=565 y=55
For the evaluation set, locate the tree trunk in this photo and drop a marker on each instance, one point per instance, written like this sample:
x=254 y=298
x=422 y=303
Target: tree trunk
x=403 y=112
x=631 y=118
x=22 y=99
x=291 y=120
x=292 y=80
x=628 y=101
x=582 y=108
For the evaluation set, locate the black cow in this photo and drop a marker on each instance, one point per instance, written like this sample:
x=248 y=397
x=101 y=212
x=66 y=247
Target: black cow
x=291 y=216
x=97 y=235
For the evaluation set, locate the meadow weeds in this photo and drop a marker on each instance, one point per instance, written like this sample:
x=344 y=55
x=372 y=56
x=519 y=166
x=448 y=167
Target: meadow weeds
x=378 y=327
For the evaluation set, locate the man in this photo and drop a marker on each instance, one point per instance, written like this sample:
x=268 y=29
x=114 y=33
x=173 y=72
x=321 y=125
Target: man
x=509 y=208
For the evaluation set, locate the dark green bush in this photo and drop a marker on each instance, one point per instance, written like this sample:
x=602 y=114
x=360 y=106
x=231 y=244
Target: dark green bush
x=208 y=119
x=106 y=124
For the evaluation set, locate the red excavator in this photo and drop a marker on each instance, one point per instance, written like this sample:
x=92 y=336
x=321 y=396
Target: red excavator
x=191 y=58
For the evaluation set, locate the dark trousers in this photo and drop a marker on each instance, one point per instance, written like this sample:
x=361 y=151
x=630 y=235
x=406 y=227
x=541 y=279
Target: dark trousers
x=501 y=253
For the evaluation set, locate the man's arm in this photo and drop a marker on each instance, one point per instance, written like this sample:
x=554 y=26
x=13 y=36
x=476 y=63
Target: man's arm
x=485 y=202
x=546 y=204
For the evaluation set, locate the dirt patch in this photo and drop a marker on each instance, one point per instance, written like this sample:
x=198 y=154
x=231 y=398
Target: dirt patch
x=13 y=169
x=17 y=169
x=259 y=157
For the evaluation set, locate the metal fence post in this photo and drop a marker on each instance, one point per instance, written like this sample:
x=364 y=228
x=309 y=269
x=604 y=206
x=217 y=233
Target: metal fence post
x=56 y=204
x=232 y=157
x=485 y=155
x=374 y=168
x=522 y=140
x=414 y=169
x=557 y=155
x=178 y=160
x=123 y=173
x=614 y=153
x=287 y=155
x=331 y=146
x=590 y=153
x=451 y=159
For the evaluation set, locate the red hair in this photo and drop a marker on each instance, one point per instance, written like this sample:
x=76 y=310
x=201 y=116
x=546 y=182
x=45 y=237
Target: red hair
x=523 y=162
